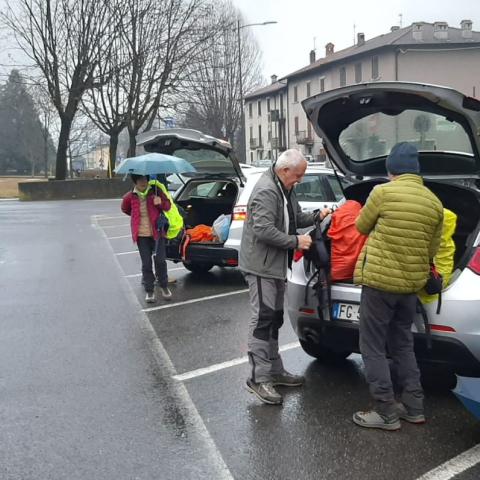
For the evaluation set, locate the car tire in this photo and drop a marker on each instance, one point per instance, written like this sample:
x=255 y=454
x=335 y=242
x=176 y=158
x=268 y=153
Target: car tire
x=323 y=353
x=198 y=268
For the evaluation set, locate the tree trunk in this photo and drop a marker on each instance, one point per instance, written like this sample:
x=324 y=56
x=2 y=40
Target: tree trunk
x=113 y=151
x=132 y=144
x=61 y=163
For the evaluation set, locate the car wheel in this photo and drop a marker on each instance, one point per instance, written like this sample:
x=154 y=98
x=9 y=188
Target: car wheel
x=198 y=267
x=323 y=353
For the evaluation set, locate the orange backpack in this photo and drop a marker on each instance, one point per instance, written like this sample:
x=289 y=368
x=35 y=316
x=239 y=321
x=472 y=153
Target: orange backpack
x=346 y=240
x=200 y=233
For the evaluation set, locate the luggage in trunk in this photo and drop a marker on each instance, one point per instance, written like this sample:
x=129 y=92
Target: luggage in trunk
x=463 y=201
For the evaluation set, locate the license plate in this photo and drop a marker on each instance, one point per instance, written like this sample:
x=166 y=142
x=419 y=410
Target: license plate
x=346 y=311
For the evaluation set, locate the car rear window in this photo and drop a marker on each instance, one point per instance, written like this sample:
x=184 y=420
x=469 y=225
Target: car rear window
x=375 y=135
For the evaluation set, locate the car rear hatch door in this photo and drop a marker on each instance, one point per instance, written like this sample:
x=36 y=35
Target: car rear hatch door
x=210 y=156
x=360 y=124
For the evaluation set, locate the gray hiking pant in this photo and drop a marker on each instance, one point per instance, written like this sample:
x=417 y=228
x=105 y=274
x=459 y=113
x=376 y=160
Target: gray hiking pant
x=266 y=300
x=385 y=321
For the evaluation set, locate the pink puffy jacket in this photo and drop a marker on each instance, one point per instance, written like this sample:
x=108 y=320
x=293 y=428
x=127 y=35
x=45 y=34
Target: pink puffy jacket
x=131 y=206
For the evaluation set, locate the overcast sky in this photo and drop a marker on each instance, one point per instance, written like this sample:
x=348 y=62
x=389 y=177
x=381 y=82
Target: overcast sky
x=286 y=45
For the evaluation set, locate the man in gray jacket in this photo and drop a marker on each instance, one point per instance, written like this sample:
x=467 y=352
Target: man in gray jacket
x=268 y=240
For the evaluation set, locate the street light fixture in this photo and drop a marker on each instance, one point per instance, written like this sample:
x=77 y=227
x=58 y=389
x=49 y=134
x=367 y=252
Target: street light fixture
x=242 y=114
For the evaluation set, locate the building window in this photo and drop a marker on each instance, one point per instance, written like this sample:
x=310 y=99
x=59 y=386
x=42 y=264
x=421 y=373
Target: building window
x=269 y=154
x=358 y=72
x=259 y=108
x=296 y=125
x=251 y=132
x=343 y=76
x=250 y=110
x=375 y=68
x=260 y=135
x=269 y=135
x=268 y=104
x=251 y=158
x=322 y=84
x=308 y=89
x=295 y=94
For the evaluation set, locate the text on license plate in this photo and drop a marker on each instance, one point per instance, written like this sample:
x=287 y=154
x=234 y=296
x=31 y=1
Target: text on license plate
x=346 y=311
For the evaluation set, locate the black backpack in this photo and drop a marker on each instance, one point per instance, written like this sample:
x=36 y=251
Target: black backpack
x=318 y=257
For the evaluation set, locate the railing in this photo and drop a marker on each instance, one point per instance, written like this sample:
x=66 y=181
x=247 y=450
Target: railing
x=255 y=143
x=303 y=138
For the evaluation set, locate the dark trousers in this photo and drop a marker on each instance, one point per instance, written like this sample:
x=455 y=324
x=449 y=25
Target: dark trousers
x=147 y=247
x=385 y=322
x=266 y=301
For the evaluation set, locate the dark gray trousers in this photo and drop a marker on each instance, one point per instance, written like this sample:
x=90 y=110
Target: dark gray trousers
x=147 y=247
x=266 y=301
x=385 y=322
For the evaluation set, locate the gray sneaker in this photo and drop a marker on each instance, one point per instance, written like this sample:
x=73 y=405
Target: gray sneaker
x=404 y=414
x=150 y=297
x=265 y=391
x=373 y=419
x=166 y=293
x=287 y=379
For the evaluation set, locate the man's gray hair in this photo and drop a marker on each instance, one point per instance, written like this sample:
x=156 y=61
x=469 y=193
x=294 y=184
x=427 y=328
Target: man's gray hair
x=290 y=159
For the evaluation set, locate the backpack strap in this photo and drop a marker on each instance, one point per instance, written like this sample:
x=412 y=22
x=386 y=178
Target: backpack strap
x=423 y=312
x=439 y=303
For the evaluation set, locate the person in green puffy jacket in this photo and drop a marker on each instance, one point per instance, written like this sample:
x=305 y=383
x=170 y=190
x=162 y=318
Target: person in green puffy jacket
x=403 y=220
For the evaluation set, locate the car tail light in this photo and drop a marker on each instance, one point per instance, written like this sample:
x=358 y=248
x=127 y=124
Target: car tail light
x=474 y=263
x=240 y=213
x=308 y=311
x=297 y=255
x=441 y=328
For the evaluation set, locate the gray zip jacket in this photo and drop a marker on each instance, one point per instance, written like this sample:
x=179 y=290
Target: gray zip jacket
x=265 y=239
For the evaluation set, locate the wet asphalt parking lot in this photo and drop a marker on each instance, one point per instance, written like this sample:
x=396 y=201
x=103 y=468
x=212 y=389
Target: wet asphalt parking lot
x=98 y=384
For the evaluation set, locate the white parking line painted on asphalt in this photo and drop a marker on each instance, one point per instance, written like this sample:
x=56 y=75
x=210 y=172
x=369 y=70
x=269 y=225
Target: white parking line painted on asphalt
x=113 y=226
x=170 y=270
x=194 y=300
x=126 y=253
x=180 y=392
x=221 y=366
x=455 y=466
x=107 y=217
x=120 y=236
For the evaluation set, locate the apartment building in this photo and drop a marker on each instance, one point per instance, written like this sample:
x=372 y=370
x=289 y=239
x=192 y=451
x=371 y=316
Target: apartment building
x=422 y=52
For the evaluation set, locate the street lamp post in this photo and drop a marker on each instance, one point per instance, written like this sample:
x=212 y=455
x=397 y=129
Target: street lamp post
x=240 y=82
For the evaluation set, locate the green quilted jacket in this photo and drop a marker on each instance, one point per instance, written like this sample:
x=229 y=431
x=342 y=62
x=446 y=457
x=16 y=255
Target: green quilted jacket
x=403 y=220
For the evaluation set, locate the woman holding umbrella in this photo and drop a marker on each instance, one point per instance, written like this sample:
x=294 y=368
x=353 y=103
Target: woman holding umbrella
x=146 y=205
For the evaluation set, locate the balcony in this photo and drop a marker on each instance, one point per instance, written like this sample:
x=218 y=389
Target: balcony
x=304 y=138
x=255 y=143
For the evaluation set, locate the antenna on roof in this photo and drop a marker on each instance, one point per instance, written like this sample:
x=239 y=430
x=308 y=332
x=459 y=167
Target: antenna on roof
x=400 y=20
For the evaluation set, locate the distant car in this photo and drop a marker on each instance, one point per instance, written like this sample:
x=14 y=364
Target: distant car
x=359 y=125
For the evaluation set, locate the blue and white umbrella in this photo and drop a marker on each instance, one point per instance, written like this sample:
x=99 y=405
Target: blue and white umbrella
x=154 y=164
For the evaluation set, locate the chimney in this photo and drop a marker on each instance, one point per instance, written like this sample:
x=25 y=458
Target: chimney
x=329 y=49
x=394 y=28
x=274 y=78
x=417 y=31
x=466 y=28
x=312 y=56
x=440 y=30
x=360 y=39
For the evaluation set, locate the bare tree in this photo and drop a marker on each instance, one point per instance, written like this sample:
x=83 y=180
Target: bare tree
x=162 y=41
x=212 y=90
x=66 y=41
x=107 y=105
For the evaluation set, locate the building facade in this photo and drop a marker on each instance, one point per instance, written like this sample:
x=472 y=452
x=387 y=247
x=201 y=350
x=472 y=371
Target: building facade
x=422 y=52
